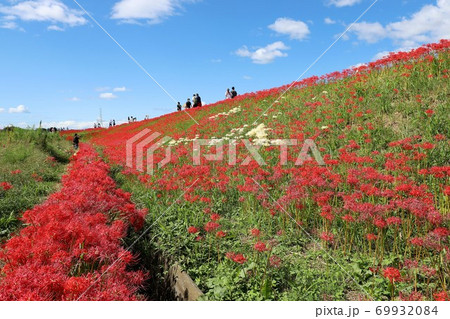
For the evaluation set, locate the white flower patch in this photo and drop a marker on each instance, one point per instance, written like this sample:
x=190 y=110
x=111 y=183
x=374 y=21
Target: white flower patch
x=278 y=142
x=232 y=111
x=259 y=132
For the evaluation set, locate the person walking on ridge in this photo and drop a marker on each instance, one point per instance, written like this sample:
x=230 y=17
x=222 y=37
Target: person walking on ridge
x=179 y=106
x=76 y=142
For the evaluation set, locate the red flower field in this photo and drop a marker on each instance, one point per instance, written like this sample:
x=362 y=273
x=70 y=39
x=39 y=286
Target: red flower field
x=370 y=224
x=71 y=247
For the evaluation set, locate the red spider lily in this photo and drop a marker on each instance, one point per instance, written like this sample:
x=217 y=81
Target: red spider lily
x=441 y=232
x=429 y=112
x=380 y=222
x=5 y=186
x=255 y=232
x=326 y=236
x=220 y=234
x=416 y=241
x=275 y=261
x=215 y=217
x=393 y=274
x=434 y=217
x=260 y=246
x=371 y=237
x=69 y=244
x=394 y=220
x=193 y=230
x=348 y=218
x=413 y=296
x=211 y=226
x=441 y=296
x=16 y=172
x=429 y=272
x=237 y=258
x=411 y=264
x=447 y=190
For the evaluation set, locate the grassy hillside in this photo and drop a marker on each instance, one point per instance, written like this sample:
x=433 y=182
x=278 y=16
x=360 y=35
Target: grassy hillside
x=31 y=164
x=370 y=224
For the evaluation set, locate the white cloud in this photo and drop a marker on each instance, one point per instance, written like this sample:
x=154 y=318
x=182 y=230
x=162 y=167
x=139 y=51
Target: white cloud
x=344 y=36
x=2 y=110
x=11 y=25
x=430 y=24
x=297 y=30
x=370 y=32
x=381 y=55
x=264 y=55
x=153 y=11
x=70 y=124
x=216 y=60
x=74 y=99
x=247 y=77
x=54 y=11
x=19 y=109
x=102 y=89
x=329 y=21
x=343 y=3
x=55 y=28
x=108 y=96
x=120 y=89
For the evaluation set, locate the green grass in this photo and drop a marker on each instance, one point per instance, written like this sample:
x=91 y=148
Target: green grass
x=32 y=161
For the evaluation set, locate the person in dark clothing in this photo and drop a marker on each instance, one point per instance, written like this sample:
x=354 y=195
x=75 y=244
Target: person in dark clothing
x=179 y=106
x=233 y=93
x=199 y=100
x=188 y=104
x=76 y=141
x=194 y=100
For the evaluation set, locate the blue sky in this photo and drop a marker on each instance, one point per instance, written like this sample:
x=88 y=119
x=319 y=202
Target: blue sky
x=57 y=66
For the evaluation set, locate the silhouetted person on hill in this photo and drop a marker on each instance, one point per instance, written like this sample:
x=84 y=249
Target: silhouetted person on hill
x=179 y=106
x=76 y=141
x=233 y=93
x=188 y=104
x=199 y=100
x=194 y=100
x=228 y=94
